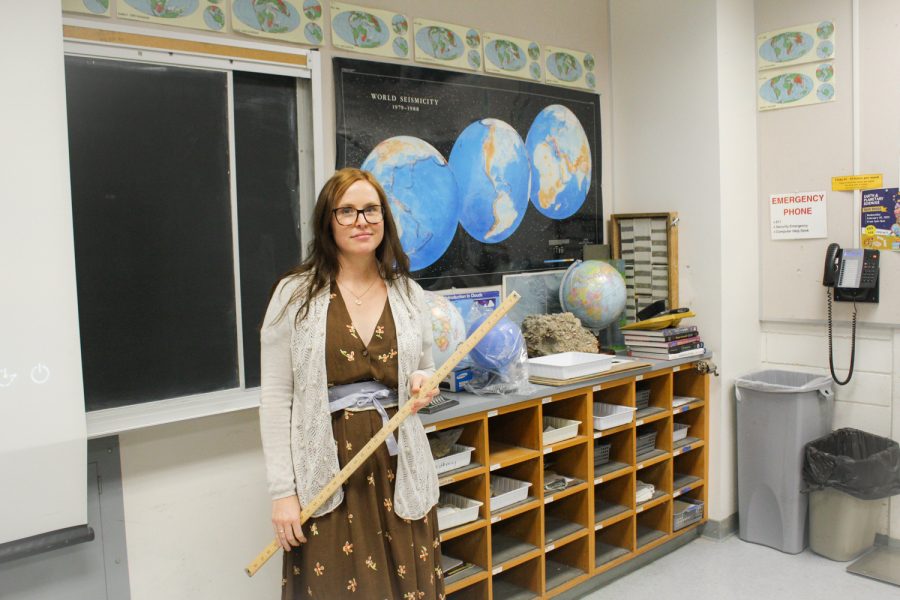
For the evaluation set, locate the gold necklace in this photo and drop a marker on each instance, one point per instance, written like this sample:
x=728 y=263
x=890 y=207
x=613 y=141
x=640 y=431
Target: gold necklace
x=358 y=300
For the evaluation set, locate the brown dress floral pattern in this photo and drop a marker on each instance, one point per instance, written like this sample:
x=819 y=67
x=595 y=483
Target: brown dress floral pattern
x=362 y=548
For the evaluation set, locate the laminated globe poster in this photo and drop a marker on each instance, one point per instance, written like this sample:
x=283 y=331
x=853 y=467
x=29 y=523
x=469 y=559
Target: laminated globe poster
x=570 y=68
x=208 y=15
x=447 y=44
x=298 y=21
x=88 y=7
x=485 y=176
x=801 y=85
x=369 y=30
x=512 y=56
x=795 y=45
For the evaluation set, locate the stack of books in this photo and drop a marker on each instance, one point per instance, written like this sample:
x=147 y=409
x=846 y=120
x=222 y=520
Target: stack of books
x=664 y=344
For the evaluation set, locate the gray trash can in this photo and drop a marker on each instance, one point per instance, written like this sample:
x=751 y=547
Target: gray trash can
x=778 y=412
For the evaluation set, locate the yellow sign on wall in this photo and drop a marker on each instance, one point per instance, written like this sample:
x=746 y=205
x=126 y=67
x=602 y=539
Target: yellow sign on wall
x=846 y=183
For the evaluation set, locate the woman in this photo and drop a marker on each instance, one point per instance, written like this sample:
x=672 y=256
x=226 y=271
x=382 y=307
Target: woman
x=349 y=314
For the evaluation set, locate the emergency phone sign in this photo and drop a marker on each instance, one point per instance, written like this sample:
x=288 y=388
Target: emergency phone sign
x=798 y=215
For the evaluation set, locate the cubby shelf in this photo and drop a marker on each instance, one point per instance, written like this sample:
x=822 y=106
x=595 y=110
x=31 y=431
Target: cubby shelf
x=455 y=532
x=578 y=439
x=548 y=543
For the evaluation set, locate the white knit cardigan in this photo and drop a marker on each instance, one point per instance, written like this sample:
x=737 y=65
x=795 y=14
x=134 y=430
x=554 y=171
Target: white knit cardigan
x=299 y=446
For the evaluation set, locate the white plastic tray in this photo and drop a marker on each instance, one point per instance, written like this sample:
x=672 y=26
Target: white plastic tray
x=679 y=431
x=568 y=365
x=563 y=429
x=466 y=513
x=459 y=456
x=509 y=491
x=607 y=416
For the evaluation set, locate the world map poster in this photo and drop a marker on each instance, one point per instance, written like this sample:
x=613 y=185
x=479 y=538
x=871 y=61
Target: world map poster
x=485 y=176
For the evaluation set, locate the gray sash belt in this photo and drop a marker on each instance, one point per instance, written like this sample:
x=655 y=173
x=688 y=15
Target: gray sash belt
x=363 y=395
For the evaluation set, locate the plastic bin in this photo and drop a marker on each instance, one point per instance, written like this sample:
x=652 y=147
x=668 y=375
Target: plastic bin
x=506 y=491
x=455 y=510
x=607 y=416
x=686 y=511
x=642 y=398
x=562 y=429
x=601 y=453
x=849 y=472
x=679 y=431
x=459 y=457
x=646 y=441
x=777 y=413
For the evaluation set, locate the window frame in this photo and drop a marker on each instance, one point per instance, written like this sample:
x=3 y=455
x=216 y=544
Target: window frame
x=311 y=165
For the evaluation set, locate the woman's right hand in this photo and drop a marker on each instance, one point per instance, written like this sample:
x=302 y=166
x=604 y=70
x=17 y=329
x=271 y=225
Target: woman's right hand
x=286 y=521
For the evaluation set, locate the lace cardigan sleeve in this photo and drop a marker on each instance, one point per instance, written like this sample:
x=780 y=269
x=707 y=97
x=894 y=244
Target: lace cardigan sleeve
x=277 y=383
x=426 y=359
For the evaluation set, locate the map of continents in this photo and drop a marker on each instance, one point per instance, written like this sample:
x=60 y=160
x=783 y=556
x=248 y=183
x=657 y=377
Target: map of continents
x=492 y=171
x=422 y=194
x=560 y=162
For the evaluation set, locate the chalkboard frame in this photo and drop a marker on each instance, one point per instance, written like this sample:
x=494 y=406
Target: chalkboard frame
x=311 y=168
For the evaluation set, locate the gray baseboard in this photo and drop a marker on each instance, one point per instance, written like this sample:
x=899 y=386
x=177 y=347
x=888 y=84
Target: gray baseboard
x=884 y=540
x=719 y=530
x=632 y=565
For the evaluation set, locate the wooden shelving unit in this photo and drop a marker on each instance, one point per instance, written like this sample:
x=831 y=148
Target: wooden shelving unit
x=554 y=540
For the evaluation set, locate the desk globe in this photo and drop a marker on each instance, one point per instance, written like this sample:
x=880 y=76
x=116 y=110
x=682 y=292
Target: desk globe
x=448 y=328
x=593 y=291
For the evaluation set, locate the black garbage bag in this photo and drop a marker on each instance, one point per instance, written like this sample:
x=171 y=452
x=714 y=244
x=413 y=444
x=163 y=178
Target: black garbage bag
x=861 y=464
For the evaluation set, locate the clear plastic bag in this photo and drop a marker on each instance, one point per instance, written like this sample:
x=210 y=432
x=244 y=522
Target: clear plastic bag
x=499 y=361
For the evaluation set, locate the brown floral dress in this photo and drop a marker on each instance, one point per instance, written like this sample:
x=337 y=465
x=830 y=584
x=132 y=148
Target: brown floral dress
x=362 y=549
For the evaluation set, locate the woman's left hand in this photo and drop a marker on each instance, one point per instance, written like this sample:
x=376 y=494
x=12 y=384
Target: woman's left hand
x=416 y=381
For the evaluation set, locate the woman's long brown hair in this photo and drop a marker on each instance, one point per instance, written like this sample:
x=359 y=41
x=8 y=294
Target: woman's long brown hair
x=322 y=265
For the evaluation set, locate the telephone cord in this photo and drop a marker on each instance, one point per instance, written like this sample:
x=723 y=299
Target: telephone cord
x=852 y=344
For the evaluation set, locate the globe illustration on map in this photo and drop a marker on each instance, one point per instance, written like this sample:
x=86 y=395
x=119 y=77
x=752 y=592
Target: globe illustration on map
x=593 y=291
x=440 y=42
x=786 y=46
x=361 y=29
x=269 y=16
x=491 y=169
x=169 y=9
x=560 y=162
x=447 y=327
x=422 y=193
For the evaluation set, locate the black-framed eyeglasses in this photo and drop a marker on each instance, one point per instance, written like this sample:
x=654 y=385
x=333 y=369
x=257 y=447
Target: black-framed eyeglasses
x=347 y=215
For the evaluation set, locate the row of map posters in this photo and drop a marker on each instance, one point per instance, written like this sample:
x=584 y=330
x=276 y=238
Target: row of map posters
x=297 y=22
x=795 y=66
x=355 y=28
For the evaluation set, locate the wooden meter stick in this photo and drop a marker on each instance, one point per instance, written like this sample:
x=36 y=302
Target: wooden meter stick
x=357 y=461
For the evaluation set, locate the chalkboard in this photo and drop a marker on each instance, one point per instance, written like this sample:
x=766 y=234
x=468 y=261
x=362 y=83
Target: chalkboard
x=265 y=132
x=152 y=213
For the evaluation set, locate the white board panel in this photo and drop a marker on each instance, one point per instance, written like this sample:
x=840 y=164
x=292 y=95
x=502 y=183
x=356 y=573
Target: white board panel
x=43 y=449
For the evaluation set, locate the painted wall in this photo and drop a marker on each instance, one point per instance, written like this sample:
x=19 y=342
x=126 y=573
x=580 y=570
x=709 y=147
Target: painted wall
x=194 y=492
x=800 y=149
x=684 y=140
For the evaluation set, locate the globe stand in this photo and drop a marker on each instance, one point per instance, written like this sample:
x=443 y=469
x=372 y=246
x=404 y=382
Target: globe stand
x=611 y=339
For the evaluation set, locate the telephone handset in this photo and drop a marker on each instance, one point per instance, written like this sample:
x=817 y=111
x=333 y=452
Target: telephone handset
x=854 y=276
x=853 y=272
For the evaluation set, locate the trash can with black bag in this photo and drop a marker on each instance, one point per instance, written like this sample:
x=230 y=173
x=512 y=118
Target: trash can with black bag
x=848 y=472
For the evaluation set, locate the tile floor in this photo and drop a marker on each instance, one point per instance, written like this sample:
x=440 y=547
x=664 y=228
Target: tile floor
x=735 y=570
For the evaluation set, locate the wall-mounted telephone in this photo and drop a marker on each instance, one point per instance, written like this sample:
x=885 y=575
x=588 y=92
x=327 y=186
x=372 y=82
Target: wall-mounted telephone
x=854 y=276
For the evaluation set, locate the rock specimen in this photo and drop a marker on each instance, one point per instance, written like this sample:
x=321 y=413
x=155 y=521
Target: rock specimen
x=551 y=334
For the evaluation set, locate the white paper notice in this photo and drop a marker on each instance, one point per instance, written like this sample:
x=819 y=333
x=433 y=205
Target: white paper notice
x=798 y=215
